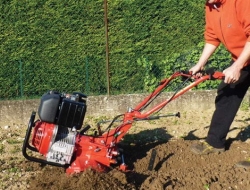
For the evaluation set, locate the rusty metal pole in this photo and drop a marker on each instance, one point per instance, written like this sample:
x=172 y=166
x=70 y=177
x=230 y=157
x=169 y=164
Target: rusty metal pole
x=107 y=45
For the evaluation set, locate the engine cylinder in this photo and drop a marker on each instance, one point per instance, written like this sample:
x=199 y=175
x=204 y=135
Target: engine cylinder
x=62 y=148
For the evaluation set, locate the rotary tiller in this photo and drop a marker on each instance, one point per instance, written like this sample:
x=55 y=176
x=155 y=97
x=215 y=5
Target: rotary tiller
x=58 y=139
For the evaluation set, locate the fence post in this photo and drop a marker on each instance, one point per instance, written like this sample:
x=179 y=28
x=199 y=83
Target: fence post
x=107 y=44
x=86 y=75
x=21 y=77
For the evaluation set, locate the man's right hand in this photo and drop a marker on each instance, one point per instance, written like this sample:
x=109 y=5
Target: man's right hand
x=195 y=70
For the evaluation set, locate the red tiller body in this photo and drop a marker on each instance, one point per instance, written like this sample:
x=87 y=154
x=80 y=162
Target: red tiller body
x=77 y=151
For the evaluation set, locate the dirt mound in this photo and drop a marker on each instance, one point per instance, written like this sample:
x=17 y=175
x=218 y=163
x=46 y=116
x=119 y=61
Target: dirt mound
x=167 y=166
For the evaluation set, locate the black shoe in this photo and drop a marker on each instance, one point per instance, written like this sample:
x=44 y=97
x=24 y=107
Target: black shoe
x=205 y=148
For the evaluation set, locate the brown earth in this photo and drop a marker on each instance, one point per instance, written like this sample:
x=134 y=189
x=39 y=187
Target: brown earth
x=156 y=152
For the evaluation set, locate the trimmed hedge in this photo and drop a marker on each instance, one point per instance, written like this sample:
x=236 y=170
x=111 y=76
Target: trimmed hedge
x=49 y=44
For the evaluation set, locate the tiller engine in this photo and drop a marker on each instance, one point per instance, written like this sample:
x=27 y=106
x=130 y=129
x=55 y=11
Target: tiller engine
x=59 y=139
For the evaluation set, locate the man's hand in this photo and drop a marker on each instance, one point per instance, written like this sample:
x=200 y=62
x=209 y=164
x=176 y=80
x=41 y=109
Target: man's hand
x=195 y=70
x=232 y=74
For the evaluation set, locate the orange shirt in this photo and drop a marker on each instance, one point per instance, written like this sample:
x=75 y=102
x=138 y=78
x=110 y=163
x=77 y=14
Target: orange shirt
x=228 y=23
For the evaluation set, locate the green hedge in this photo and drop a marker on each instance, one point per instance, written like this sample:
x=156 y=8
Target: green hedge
x=50 y=44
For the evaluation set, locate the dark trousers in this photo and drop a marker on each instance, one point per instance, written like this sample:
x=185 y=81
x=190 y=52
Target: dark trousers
x=227 y=103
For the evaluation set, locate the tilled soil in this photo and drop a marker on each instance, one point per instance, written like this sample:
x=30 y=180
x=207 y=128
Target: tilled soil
x=157 y=154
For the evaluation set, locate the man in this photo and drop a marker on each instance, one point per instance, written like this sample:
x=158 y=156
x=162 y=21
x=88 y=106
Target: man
x=227 y=22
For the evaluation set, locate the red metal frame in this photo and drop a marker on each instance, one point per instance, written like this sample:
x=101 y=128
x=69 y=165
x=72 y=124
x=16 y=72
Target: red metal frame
x=101 y=151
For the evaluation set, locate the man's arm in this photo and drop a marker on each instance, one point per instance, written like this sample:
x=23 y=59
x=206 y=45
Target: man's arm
x=208 y=50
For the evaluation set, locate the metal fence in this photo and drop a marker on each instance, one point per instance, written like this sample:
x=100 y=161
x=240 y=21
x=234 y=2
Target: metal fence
x=20 y=79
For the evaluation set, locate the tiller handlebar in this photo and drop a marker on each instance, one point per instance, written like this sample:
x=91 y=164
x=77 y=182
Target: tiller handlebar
x=58 y=138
